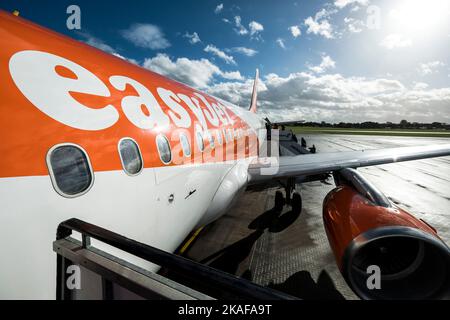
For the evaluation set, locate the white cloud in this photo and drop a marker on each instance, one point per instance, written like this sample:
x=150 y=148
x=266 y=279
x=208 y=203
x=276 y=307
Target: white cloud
x=245 y=51
x=96 y=42
x=354 y=25
x=325 y=13
x=219 y=53
x=430 y=67
x=295 y=31
x=226 y=20
x=314 y=97
x=325 y=64
x=232 y=75
x=335 y=98
x=193 y=38
x=238 y=93
x=146 y=36
x=320 y=25
x=196 y=73
x=133 y=61
x=100 y=44
x=118 y=55
x=240 y=29
x=420 y=86
x=280 y=42
x=219 y=8
x=395 y=40
x=255 y=28
x=343 y=3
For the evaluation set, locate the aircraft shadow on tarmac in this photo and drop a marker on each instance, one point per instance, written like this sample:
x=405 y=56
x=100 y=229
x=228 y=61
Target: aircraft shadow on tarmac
x=300 y=284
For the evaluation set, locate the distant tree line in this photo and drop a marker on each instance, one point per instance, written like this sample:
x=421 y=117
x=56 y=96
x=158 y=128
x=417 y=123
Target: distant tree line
x=404 y=124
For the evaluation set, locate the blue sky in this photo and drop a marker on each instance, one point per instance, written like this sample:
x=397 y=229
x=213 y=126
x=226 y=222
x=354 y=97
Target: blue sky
x=336 y=60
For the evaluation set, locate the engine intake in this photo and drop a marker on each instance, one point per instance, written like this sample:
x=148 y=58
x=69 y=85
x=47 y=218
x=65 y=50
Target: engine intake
x=365 y=230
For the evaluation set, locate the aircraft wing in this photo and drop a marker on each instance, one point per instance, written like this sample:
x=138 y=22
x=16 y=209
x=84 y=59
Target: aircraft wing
x=268 y=168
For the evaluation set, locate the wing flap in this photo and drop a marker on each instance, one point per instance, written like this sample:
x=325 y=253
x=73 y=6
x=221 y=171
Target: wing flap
x=273 y=168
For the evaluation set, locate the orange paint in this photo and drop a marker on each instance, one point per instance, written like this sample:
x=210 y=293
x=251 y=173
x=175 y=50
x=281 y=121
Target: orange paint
x=347 y=214
x=27 y=133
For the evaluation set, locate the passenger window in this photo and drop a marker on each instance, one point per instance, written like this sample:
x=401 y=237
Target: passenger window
x=185 y=145
x=230 y=134
x=130 y=156
x=165 y=154
x=225 y=135
x=70 y=170
x=211 y=140
x=200 y=142
x=219 y=137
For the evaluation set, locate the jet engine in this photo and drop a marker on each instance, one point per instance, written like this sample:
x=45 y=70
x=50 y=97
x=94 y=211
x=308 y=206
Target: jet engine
x=368 y=234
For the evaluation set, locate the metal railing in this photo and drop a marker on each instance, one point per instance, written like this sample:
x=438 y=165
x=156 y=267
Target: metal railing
x=145 y=284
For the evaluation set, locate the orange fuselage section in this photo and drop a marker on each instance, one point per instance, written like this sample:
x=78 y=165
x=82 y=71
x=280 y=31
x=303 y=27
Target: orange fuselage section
x=57 y=90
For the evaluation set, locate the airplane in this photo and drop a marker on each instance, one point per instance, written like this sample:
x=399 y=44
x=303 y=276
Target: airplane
x=91 y=136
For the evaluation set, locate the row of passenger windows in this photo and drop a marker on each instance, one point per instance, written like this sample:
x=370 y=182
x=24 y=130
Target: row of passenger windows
x=71 y=171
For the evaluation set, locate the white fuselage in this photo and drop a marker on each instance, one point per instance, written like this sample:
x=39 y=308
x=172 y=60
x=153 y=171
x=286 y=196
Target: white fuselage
x=137 y=207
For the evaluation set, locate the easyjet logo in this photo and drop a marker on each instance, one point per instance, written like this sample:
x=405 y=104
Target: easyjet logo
x=36 y=75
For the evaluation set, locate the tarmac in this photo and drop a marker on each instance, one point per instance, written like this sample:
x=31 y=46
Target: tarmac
x=290 y=251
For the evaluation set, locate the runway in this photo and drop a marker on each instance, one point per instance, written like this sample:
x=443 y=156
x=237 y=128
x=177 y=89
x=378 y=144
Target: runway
x=296 y=258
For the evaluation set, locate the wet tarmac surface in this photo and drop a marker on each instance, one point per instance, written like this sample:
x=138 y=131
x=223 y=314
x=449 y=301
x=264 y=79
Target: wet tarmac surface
x=288 y=250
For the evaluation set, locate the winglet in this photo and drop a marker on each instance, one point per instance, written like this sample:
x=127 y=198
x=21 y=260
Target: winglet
x=254 y=93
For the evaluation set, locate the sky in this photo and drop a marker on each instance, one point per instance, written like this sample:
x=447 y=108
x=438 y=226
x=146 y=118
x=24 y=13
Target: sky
x=334 y=61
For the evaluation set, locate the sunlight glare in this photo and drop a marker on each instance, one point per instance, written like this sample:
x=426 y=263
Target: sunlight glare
x=420 y=16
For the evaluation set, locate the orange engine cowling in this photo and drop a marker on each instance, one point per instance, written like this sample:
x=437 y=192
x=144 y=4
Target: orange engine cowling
x=364 y=229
